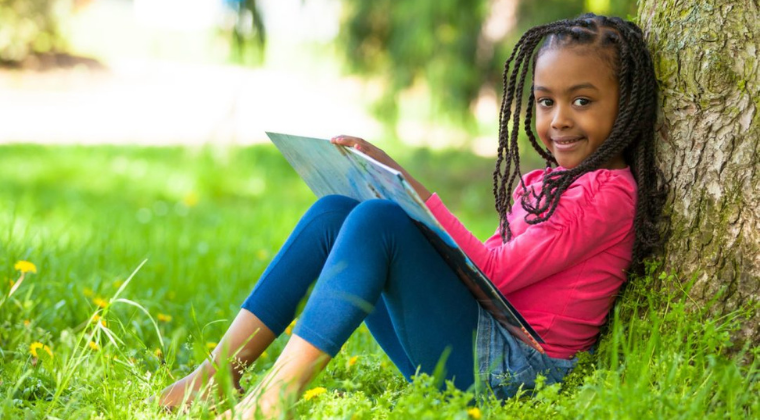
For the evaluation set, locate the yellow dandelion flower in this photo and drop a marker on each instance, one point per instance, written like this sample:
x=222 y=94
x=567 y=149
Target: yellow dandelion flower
x=27 y=323
x=262 y=254
x=34 y=347
x=100 y=302
x=25 y=267
x=87 y=292
x=97 y=318
x=190 y=199
x=211 y=345
x=289 y=329
x=314 y=393
x=352 y=361
x=474 y=413
x=158 y=353
x=93 y=345
x=164 y=318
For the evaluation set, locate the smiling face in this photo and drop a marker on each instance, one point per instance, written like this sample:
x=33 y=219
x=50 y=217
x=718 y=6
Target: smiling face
x=576 y=104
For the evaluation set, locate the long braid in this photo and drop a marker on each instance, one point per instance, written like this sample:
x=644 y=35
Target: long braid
x=632 y=133
x=503 y=181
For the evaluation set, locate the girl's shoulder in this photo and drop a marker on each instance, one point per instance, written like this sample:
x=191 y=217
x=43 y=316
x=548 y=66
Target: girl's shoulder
x=590 y=182
x=604 y=191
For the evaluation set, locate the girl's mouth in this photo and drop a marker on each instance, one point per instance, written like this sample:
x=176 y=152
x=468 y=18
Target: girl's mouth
x=566 y=144
x=566 y=141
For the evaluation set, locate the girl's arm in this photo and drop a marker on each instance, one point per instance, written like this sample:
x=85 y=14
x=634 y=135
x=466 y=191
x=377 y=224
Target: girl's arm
x=379 y=155
x=584 y=224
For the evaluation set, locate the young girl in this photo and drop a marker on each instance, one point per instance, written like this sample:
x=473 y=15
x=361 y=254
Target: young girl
x=560 y=255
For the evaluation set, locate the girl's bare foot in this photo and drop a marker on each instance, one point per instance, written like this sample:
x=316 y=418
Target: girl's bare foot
x=244 y=340
x=299 y=362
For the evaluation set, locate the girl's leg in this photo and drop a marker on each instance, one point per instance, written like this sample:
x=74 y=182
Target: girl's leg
x=380 y=252
x=272 y=303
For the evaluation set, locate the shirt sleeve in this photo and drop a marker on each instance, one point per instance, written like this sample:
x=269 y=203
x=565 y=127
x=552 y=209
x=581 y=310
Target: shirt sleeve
x=583 y=225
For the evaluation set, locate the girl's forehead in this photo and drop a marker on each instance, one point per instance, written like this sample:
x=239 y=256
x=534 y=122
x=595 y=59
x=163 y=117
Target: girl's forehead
x=557 y=65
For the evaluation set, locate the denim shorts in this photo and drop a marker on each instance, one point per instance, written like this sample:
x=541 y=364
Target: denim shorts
x=505 y=363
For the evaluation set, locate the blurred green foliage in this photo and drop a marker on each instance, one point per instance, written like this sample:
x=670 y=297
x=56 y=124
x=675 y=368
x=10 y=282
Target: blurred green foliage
x=442 y=45
x=30 y=26
x=405 y=41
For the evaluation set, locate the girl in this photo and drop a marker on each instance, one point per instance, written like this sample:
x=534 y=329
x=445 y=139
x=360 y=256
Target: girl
x=560 y=256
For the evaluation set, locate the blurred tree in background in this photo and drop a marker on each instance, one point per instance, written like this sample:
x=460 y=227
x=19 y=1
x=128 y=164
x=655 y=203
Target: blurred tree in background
x=454 y=48
x=433 y=40
x=248 y=32
x=30 y=26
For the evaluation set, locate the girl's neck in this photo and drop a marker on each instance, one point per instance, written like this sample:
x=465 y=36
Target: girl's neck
x=616 y=162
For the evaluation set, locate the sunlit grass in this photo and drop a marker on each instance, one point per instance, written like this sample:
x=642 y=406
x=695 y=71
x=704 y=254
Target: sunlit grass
x=196 y=227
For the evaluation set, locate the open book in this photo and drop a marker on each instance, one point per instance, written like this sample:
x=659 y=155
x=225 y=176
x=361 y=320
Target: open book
x=332 y=169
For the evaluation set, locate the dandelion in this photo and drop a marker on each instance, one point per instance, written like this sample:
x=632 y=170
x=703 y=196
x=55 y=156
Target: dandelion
x=158 y=353
x=27 y=323
x=314 y=393
x=164 y=318
x=190 y=199
x=100 y=302
x=93 y=345
x=262 y=254
x=474 y=413
x=25 y=267
x=352 y=361
x=211 y=345
x=36 y=346
x=99 y=319
x=289 y=329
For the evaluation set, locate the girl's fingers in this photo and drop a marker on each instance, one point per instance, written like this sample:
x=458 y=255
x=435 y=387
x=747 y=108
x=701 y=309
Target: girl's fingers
x=350 y=141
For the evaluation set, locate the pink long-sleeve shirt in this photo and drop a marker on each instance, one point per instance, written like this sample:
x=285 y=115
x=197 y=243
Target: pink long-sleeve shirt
x=562 y=275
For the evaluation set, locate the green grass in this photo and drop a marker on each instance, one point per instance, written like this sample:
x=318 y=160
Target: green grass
x=205 y=222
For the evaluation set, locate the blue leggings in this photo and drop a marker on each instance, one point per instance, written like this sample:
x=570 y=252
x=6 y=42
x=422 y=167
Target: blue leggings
x=372 y=264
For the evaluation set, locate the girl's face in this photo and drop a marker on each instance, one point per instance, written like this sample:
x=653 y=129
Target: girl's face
x=576 y=104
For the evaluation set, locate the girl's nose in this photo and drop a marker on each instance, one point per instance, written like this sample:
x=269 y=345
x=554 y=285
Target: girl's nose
x=561 y=118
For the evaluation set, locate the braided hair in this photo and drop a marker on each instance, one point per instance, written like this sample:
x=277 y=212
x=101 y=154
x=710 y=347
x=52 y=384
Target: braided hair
x=620 y=44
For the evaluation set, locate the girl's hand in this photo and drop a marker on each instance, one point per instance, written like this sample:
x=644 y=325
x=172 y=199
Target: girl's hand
x=379 y=155
x=368 y=149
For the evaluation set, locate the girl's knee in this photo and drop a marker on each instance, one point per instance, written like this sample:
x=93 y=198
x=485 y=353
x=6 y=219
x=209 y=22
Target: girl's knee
x=334 y=202
x=379 y=212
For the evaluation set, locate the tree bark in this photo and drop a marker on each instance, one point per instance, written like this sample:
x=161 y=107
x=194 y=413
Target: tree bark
x=705 y=56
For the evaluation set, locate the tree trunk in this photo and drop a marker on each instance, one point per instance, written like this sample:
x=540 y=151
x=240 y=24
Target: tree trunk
x=709 y=144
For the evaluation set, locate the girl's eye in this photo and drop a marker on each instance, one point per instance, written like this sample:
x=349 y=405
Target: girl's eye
x=581 y=102
x=545 y=102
